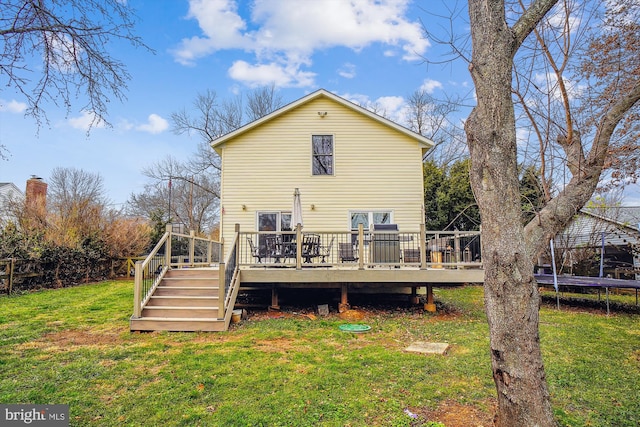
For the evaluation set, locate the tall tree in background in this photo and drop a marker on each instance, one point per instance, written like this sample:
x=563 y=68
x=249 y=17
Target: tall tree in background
x=449 y=201
x=193 y=196
x=435 y=119
x=509 y=248
x=532 y=192
x=175 y=195
x=77 y=206
x=55 y=51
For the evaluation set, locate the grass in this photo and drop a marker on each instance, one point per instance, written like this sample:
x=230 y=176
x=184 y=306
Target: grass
x=73 y=346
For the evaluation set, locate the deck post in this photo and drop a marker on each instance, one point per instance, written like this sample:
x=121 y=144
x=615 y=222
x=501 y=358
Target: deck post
x=298 y=246
x=414 y=296
x=192 y=247
x=222 y=283
x=275 y=305
x=423 y=247
x=360 y=246
x=167 y=255
x=429 y=305
x=137 y=290
x=344 y=298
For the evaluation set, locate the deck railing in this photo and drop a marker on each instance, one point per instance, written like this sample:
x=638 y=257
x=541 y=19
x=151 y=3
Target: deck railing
x=149 y=273
x=173 y=250
x=360 y=249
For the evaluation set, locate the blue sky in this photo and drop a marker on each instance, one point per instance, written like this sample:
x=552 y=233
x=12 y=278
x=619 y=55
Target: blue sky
x=363 y=50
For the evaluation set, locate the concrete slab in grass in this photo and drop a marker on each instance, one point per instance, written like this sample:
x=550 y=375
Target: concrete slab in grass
x=428 y=347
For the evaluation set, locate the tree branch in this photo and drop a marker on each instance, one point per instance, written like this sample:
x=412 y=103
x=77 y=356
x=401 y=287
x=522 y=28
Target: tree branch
x=530 y=19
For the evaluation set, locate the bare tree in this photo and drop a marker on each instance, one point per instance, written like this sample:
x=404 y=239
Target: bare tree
x=76 y=206
x=69 y=186
x=435 y=119
x=55 y=51
x=189 y=199
x=262 y=101
x=194 y=196
x=509 y=248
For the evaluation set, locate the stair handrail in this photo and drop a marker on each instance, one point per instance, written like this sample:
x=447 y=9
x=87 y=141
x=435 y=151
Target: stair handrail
x=148 y=275
x=229 y=280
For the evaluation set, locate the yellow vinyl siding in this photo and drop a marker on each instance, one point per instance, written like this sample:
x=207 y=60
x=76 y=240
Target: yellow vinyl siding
x=376 y=167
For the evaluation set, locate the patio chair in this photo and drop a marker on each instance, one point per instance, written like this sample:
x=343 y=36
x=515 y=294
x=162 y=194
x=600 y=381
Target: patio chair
x=411 y=255
x=325 y=251
x=347 y=252
x=255 y=251
x=310 y=246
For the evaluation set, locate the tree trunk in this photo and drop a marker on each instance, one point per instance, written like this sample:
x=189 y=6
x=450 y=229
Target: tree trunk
x=511 y=294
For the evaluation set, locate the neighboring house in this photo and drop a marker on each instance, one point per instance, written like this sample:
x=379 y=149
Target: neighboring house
x=350 y=165
x=9 y=192
x=583 y=238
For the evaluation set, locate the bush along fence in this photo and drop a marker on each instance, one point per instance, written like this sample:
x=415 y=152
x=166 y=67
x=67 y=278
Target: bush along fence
x=18 y=275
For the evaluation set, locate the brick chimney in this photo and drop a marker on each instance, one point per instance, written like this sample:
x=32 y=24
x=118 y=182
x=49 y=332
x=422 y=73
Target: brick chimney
x=36 y=196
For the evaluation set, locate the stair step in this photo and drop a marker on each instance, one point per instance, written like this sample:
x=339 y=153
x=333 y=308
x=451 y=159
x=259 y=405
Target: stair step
x=185 y=324
x=183 y=301
x=189 y=281
x=186 y=291
x=193 y=272
x=180 y=312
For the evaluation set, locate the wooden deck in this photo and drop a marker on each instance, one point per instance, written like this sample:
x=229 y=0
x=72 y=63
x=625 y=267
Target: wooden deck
x=196 y=291
x=333 y=276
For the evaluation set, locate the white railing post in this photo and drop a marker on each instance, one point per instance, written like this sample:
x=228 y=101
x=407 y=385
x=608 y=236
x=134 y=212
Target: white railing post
x=222 y=283
x=167 y=254
x=456 y=248
x=361 y=246
x=192 y=247
x=423 y=246
x=137 y=290
x=298 y=246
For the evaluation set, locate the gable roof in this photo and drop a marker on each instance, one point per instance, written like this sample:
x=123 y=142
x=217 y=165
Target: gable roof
x=425 y=142
x=622 y=216
x=6 y=187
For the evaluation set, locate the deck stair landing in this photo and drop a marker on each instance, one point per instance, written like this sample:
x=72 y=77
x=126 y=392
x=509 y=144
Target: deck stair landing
x=185 y=300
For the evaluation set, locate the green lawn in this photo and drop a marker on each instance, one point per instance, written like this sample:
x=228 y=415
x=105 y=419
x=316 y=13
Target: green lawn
x=73 y=346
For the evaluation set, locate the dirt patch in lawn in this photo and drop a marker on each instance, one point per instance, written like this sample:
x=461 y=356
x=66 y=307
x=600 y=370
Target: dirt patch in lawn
x=76 y=338
x=454 y=414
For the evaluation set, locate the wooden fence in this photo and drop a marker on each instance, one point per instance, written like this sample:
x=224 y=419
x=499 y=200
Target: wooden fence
x=13 y=270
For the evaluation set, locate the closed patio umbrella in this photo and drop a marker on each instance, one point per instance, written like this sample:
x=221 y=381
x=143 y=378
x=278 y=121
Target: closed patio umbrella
x=296 y=214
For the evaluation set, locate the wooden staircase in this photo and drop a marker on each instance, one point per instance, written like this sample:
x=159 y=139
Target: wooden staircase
x=185 y=300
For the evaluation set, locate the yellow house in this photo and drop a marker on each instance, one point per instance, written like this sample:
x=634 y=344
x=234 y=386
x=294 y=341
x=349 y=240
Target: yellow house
x=360 y=182
x=350 y=165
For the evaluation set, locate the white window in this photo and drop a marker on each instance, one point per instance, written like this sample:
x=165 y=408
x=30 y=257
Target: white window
x=369 y=218
x=274 y=221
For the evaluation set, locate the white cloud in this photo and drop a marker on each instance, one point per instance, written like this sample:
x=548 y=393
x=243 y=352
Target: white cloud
x=155 y=124
x=273 y=73
x=393 y=107
x=284 y=37
x=390 y=107
x=12 y=106
x=430 y=86
x=222 y=28
x=560 y=17
x=348 y=70
x=86 y=121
